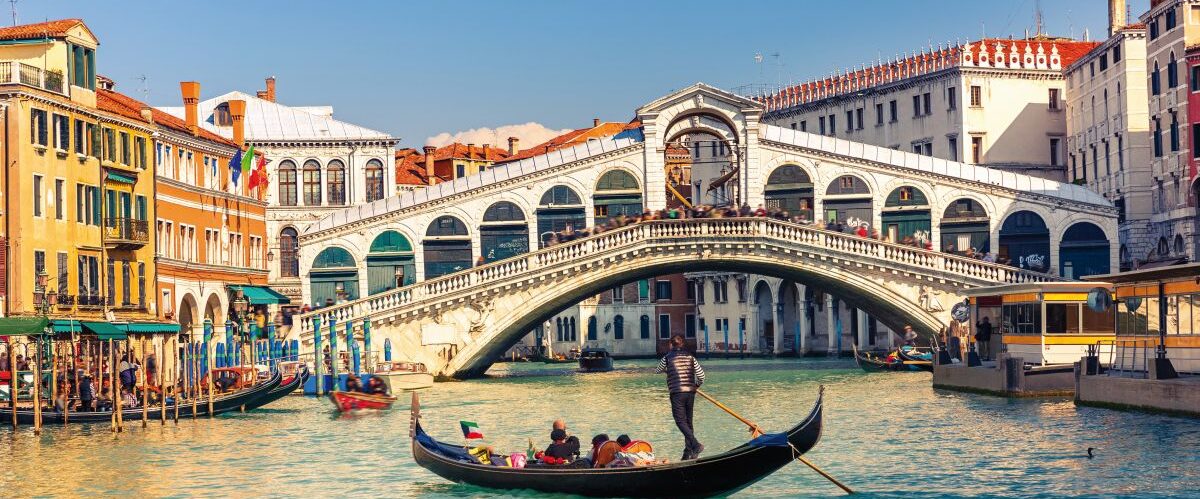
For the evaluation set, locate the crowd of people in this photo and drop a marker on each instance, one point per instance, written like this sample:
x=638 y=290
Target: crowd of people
x=374 y=386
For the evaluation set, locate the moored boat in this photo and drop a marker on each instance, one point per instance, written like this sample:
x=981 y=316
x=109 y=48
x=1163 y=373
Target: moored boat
x=282 y=389
x=353 y=401
x=719 y=474
x=595 y=360
x=913 y=356
x=404 y=375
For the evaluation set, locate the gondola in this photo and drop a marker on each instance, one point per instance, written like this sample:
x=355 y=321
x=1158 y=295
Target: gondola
x=595 y=360
x=870 y=363
x=352 y=401
x=723 y=473
x=923 y=362
x=282 y=390
x=222 y=403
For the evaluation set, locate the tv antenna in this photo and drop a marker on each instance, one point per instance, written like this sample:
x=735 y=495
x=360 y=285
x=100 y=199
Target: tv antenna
x=145 y=88
x=13 y=7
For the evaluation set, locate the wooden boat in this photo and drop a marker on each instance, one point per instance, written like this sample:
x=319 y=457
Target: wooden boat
x=595 y=360
x=911 y=356
x=293 y=368
x=870 y=363
x=401 y=376
x=351 y=401
x=222 y=403
x=282 y=390
x=719 y=474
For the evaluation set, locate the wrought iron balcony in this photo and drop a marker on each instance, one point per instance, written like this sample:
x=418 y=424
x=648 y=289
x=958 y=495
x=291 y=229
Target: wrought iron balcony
x=91 y=300
x=126 y=233
x=25 y=74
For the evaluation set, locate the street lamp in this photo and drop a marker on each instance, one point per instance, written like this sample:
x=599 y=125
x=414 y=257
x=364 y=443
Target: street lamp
x=43 y=300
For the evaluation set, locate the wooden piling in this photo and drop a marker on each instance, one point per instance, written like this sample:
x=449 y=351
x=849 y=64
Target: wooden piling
x=209 y=361
x=112 y=385
x=12 y=384
x=145 y=386
x=175 y=364
x=37 y=387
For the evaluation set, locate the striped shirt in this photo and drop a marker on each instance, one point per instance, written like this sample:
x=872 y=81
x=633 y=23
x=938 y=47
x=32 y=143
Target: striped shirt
x=684 y=373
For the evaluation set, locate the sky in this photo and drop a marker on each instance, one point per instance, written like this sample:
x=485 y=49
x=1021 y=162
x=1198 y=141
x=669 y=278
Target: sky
x=432 y=71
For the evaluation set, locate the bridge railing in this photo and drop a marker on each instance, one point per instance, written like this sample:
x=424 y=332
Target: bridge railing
x=525 y=264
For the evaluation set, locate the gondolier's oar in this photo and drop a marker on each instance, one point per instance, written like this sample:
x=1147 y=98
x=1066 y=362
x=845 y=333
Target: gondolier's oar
x=755 y=432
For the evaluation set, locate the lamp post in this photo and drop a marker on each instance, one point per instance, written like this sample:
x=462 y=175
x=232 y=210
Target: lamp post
x=240 y=307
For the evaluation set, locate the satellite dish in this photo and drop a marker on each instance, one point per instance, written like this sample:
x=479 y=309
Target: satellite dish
x=960 y=312
x=1099 y=300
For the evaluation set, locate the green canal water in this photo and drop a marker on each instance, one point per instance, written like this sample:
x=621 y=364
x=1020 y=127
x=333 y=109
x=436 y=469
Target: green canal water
x=887 y=435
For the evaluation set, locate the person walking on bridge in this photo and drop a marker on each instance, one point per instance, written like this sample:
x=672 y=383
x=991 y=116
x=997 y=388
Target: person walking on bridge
x=684 y=377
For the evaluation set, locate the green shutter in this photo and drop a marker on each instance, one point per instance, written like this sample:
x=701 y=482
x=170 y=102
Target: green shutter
x=97 y=206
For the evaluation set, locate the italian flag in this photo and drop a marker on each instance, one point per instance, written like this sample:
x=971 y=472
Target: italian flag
x=470 y=430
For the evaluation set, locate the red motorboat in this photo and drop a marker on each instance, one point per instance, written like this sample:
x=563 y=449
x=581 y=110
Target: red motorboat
x=352 y=401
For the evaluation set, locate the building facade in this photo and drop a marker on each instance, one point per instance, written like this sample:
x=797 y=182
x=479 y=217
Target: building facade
x=1108 y=135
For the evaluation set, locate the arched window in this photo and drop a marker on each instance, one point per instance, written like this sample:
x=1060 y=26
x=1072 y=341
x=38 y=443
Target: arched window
x=1154 y=86
x=375 y=183
x=312 y=183
x=1163 y=248
x=447 y=247
x=619 y=327
x=591 y=328
x=560 y=195
x=504 y=232
x=644 y=327
x=334 y=277
x=289 y=247
x=336 y=180
x=1179 y=244
x=1173 y=73
x=287 y=183
x=558 y=329
x=574 y=332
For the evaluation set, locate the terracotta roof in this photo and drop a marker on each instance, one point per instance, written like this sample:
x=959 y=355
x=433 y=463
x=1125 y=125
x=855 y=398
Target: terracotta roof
x=460 y=151
x=410 y=167
x=48 y=29
x=119 y=104
x=606 y=129
x=410 y=163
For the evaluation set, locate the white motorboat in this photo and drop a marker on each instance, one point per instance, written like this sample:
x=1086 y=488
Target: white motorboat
x=404 y=375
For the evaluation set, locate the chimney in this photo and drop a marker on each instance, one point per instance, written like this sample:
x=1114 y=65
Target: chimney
x=271 y=88
x=595 y=122
x=1116 y=16
x=191 y=99
x=261 y=94
x=237 y=113
x=429 y=173
x=470 y=151
x=485 y=151
x=513 y=144
x=147 y=114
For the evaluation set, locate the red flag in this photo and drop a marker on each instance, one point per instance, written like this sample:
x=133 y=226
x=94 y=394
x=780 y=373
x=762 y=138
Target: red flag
x=258 y=178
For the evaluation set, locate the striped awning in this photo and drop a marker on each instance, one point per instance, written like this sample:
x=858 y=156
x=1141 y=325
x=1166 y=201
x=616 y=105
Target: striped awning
x=149 y=328
x=121 y=178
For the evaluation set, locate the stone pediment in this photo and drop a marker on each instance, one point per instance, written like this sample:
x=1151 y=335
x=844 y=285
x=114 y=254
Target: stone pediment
x=702 y=95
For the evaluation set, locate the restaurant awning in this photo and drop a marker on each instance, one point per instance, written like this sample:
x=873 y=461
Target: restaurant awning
x=66 y=326
x=149 y=328
x=22 y=326
x=261 y=295
x=104 y=330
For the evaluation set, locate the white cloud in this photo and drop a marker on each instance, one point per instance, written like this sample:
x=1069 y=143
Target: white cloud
x=530 y=134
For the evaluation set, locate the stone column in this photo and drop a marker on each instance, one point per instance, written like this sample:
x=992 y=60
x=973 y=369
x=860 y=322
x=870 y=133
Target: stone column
x=803 y=330
x=830 y=326
x=863 y=332
x=779 y=313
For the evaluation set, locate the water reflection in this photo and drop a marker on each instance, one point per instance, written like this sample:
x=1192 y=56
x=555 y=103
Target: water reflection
x=889 y=435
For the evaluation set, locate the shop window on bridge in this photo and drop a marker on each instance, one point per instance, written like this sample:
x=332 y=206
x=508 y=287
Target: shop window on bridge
x=617 y=193
x=619 y=327
x=390 y=262
x=1084 y=251
x=848 y=202
x=964 y=225
x=503 y=233
x=334 y=277
x=1025 y=242
x=906 y=216
x=789 y=188
x=560 y=209
x=447 y=247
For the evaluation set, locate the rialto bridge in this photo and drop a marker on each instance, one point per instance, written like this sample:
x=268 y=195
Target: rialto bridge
x=453 y=274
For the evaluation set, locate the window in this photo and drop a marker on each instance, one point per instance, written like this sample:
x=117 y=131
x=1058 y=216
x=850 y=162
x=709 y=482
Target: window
x=664 y=326
x=720 y=291
x=916 y=105
x=952 y=143
x=618 y=294
x=1195 y=81
x=1174 y=132
x=312 y=183
x=951 y=99
x=1116 y=54
x=1095 y=163
x=289 y=250
x=1173 y=73
x=976 y=96
x=832 y=125
x=79 y=203
x=1054 y=142
x=803 y=125
x=644 y=327
x=1153 y=28
x=793 y=125
x=1157 y=137
x=39 y=261
x=375 y=182
x=460 y=171
x=79 y=137
x=110 y=144
x=1052 y=100
x=821 y=123
x=1195 y=143
x=1170 y=20
x=139 y=157
x=37 y=122
x=37 y=195
x=126 y=283
x=141 y=274
x=336 y=178
x=1092 y=69
x=1107 y=161
x=96 y=146
x=63 y=273
x=1154 y=87
x=1103 y=62
x=926 y=107
x=741 y=290
x=849 y=121
x=81 y=66
x=662 y=290
x=287 y=183
x=976 y=150
x=60 y=203
x=892 y=111
x=619 y=327
x=928 y=148
x=878 y=114
x=62 y=132
x=125 y=151
x=689 y=326
x=906 y=193
x=700 y=292
x=1121 y=152
x=858 y=115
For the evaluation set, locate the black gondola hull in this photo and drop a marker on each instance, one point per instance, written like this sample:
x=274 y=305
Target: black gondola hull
x=720 y=474
x=919 y=363
x=280 y=391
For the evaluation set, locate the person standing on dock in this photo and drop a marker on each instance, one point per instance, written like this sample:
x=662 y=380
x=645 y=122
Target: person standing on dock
x=684 y=377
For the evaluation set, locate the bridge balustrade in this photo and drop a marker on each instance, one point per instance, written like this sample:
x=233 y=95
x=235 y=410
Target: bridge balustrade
x=650 y=232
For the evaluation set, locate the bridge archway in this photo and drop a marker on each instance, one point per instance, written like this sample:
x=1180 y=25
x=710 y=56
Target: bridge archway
x=617 y=193
x=848 y=200
x=503 y=232
x=390 y=262
x=1084 y=251
x=559 y=208
x=764 y=306
x=447 y=246
x=333 y=277
x=906 y=214
x=1025 y=241
x=965 y=224
x=790 y=188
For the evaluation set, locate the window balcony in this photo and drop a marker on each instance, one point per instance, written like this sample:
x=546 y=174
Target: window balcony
x=24 y=74
x=126 y=233
x=90 y=301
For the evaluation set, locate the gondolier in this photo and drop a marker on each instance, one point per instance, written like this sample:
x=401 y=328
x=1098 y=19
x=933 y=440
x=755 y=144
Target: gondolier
x=684 y=376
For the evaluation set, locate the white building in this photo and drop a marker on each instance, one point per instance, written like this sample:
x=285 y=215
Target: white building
x=995 y=102
x=317 y=165
x=1108 y=133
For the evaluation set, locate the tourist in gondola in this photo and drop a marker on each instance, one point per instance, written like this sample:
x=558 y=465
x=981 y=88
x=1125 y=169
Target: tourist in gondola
x=560 y=451
x=376 y=386
x=684 y=377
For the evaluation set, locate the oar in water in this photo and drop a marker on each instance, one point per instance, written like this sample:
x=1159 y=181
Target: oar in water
x=755 y=432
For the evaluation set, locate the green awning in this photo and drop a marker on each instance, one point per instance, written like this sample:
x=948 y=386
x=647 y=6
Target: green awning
x=66 y=326
x=104 y=330
x=22 y=326
x=261 y=295
x=149 y=328
x=122 y=178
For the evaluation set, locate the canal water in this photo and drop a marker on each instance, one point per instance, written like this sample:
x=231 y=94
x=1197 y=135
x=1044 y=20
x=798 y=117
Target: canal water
x=887 y=435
